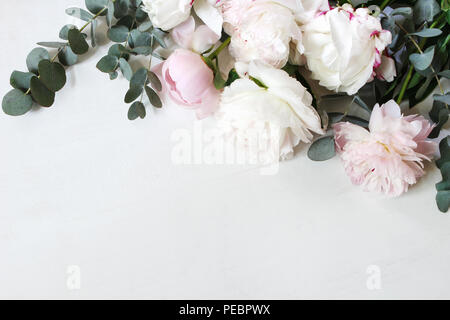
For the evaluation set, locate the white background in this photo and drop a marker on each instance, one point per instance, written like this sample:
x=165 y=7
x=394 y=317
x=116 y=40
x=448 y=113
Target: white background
x=81 y=185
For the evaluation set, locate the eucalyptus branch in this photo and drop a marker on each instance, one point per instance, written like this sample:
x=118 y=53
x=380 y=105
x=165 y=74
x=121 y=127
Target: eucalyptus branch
x=411 y=68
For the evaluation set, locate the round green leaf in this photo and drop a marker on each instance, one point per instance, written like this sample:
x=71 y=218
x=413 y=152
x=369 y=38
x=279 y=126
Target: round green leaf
x=21 y=80
x=35 y=56
x=443 y=200
x=136 y=110
x=322 y=149
x=77 y=42
x=113 y=75
x=41 y=94
x=67 y=57
x=16 y=103
x=153 y=97
x=95 y=6
x=118 y=33
x=52 y=74
x=108 y=64
x=132 y=94
x=64 y=33
x=424 y=60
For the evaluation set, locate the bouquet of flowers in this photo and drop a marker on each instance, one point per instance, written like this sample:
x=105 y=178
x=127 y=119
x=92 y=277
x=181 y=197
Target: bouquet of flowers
x=272 y=68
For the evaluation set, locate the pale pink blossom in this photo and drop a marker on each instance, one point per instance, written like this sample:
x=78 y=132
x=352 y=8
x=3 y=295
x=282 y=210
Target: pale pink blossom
x=196 y=38
x=388 y=157
x=189 y=82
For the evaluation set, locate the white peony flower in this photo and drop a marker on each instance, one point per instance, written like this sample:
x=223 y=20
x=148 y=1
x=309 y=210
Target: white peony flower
x=261 y=30
x=308 y=9
x=277 y=110
x=343 y=46
x=167 y=14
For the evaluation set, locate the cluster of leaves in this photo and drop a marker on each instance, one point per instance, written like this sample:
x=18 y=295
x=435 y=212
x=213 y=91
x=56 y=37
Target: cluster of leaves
x=420 y=48
x=443 y=187
x=133 y=34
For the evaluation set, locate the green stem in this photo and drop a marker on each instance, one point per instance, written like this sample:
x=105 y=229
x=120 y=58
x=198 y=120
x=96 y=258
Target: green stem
x=405 y=85
x=384 y=4
x=219 y=49
x=95 y=17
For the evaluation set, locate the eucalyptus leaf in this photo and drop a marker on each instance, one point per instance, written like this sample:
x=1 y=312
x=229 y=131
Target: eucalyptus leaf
x=119 y=51
x=16 y=103
x=79 y=13
x=146 y=26
x=67 y=57
x=322 y=149
x=55 y=45
x=425 y=11
x=21 y=80
x=35 y=56
x=95 y=6
x=77 y=42
x=132 y=94
x=444 y=98
x=110 y=13
x=443 y=200
x=427 y=33
x=445 y=74
x=93 y=33
x=136 y=110
x=41 y=94
x=153 y=97
x=145 y=51
x=64 y=33
x=113 y=75
x=154 y=81
x=125 y=68
x=108 y=64
x=121 y=8
x=52 y=74
x=422 y=61
x=139 y=78
x=118 y=33
x=159 y=37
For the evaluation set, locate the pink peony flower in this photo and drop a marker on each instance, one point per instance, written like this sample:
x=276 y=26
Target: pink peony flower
x=388 y=158
x=189 y=82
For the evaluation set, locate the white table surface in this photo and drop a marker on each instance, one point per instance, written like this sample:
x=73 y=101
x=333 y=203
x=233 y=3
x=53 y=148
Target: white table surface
x=82 y=186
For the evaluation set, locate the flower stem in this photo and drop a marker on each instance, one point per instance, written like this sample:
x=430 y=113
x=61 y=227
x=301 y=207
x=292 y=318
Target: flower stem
x=219 y=49
x=384 y=4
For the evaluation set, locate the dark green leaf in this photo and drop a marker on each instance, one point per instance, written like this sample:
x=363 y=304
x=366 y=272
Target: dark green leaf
x=153 y=97
x=119 y=51
x=64 y=33
x=132 y=94
x=445 y=74
x=16 y=103
x=35 y=56
x=40 y=93
x=121 y=8
x=113 y=75
x=154 y=81
x=136 y=110
x=146 y=26
x=52 y=74
x=145 y=51
x=78 y=42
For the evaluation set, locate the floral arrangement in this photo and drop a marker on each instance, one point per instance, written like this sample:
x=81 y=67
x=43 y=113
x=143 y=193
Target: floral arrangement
x=382 y=54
